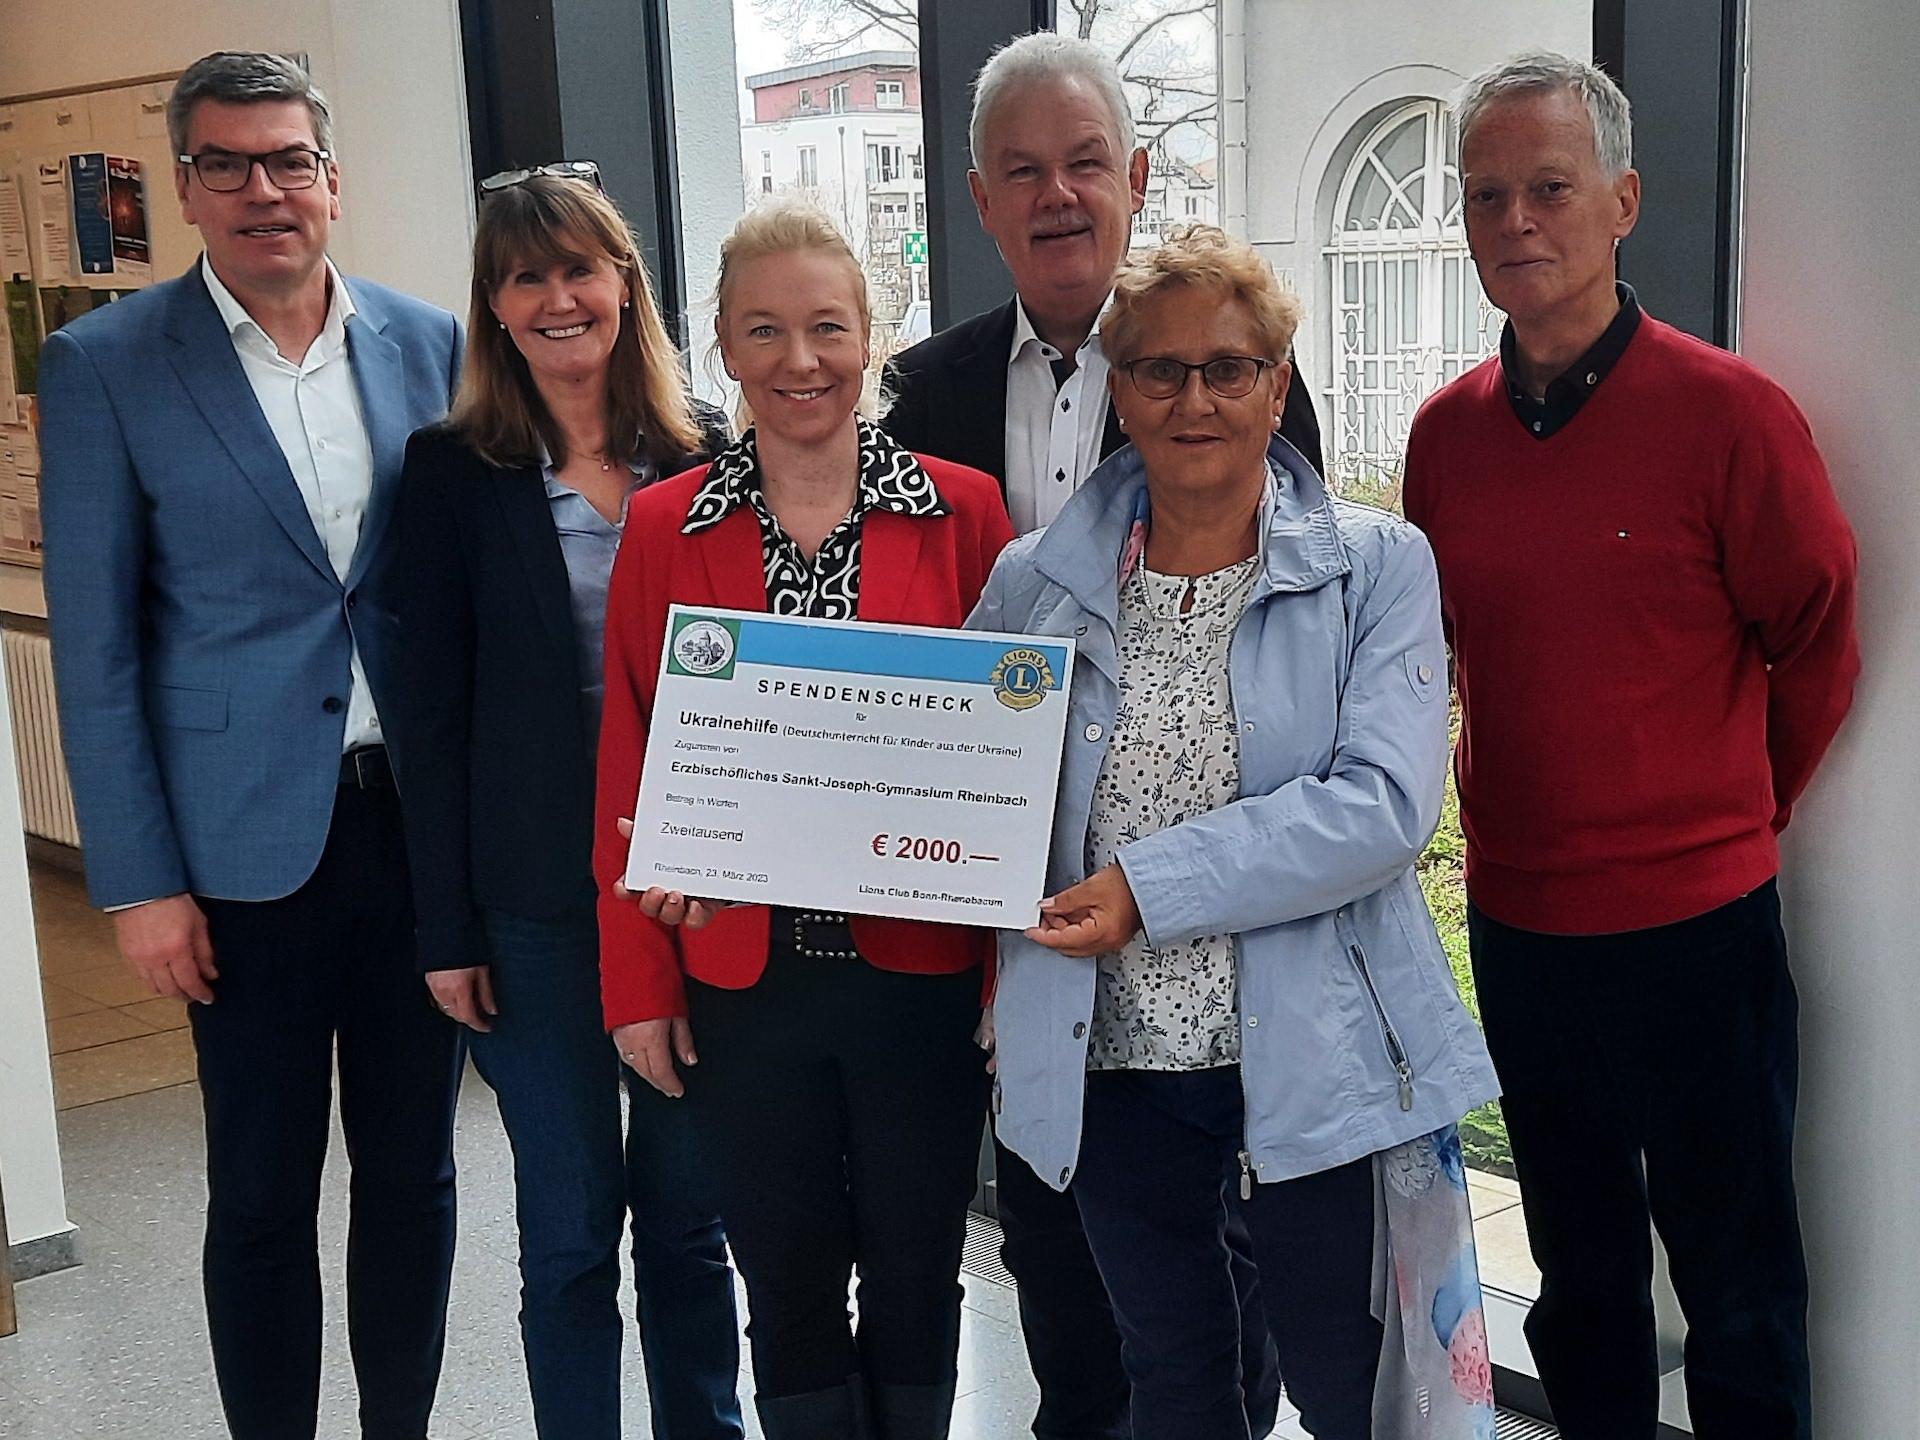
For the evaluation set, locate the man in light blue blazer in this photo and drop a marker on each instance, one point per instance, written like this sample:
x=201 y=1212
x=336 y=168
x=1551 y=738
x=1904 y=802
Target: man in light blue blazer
x=220 y=459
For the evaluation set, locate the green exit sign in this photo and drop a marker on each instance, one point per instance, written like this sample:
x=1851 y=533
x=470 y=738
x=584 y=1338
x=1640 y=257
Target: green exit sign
x=913 y=247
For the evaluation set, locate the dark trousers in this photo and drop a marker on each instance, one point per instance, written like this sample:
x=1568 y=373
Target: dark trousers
x=555 y=1075
x=846 y=1106
x=1073 y=1345
x=1156 y=1152
x=329 y=967
x=1651 y=1077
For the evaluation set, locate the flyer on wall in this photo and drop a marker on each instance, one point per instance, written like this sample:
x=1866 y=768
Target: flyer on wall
x=92 y=229
x=127 y=215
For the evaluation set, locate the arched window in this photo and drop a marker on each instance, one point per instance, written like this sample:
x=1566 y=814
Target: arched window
x=1408 y=313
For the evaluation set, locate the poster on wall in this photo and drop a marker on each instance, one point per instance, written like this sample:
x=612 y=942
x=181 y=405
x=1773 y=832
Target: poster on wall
x=92 y=226
x=127 y=216
x=9 y=400
x=60 y=304
x=24 y=334
x=55 y=260
x=14 y=259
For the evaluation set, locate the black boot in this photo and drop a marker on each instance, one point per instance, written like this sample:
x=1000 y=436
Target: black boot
x=836 y=1414
x=913 y=1412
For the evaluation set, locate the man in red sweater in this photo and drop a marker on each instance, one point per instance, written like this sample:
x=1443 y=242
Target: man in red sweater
x=1649 y=587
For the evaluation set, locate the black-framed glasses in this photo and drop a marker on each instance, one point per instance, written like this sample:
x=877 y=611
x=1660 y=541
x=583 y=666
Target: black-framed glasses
x=224 y=171
x=1161 y=377
x=585 y=170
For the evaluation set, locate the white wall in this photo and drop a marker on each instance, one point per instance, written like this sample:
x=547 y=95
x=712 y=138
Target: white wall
x=29 y=1144
x=1833 y=165
x=392 y=73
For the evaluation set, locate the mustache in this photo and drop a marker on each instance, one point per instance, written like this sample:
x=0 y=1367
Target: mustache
x=1064 y=222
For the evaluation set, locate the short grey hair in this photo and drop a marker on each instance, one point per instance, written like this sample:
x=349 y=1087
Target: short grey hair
x=1046 y=56
x=1542 y=72
x=245 y=77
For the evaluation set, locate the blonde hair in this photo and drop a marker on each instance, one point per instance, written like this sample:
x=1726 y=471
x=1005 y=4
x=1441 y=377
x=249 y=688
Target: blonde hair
x=547 y=220
x=1203 y=258
x=783 y=226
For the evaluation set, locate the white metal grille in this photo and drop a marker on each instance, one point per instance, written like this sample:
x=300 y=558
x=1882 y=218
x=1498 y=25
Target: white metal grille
x=1407 y=312
x=46 y=801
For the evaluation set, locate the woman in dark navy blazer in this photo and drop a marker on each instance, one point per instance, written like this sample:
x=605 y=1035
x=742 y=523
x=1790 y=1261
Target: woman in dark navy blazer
x=572 y=401
x=829 y=1059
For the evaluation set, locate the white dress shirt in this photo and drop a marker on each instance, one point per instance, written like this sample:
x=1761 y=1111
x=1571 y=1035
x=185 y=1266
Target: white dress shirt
x=313 y=408
x=1053 y=433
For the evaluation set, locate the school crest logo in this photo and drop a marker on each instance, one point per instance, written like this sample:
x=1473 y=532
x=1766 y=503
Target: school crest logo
x=1021 y=679
x=703 y=647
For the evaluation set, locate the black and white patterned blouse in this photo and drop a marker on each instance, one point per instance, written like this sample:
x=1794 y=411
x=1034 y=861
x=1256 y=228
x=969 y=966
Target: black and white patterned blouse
x=827 y=587
x=1174 y=754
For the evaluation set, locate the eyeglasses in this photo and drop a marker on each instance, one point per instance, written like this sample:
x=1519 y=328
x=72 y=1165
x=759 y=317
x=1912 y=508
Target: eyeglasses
x=1161 y=377
x=224 y=171
x=560 y=170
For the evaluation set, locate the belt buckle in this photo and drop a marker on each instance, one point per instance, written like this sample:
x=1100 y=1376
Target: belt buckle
x=804 y=918
x=366 y=775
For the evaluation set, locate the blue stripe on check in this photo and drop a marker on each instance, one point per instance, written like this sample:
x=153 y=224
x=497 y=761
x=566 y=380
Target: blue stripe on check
x=963 y=660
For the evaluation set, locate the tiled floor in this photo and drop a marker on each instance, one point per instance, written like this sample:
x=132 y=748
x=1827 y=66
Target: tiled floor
x=109 y=1034
x=116 y=1348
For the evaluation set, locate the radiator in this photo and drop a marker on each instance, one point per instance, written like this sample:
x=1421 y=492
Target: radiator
x=46 y=801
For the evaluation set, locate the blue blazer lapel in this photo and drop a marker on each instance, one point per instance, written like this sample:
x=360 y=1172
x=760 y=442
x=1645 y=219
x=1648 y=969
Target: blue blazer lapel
x=204 y=359
x=381 y=379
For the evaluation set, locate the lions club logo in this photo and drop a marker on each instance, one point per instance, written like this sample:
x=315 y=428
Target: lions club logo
x=1021 y=679
x=703 y=647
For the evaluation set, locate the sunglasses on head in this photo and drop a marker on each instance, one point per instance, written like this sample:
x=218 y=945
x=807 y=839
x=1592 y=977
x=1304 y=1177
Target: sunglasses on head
x=583 y=170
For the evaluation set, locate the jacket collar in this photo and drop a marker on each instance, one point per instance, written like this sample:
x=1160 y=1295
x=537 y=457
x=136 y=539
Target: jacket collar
x=1300 y=546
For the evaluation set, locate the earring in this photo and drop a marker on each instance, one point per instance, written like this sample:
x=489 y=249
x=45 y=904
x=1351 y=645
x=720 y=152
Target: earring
x=503 y=324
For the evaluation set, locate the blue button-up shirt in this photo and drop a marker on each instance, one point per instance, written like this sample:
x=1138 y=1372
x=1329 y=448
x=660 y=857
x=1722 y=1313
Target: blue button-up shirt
x=588 y=543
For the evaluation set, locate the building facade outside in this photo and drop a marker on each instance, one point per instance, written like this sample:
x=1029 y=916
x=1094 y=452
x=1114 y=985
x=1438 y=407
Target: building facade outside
x=846 y=132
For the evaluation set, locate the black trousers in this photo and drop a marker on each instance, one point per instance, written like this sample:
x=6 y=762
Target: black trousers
x=328 y=968
x=1066 y=1317
x=1156 y=1155
x=1650 y=1080
x=844 y=1107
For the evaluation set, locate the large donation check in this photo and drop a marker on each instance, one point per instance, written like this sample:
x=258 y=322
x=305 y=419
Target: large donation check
x=865 y=769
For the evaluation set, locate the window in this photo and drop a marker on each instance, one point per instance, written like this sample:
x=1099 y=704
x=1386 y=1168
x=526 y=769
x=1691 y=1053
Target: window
x=884 y=163
x=1193 y=206
x=1407 y=312
x=803 y=77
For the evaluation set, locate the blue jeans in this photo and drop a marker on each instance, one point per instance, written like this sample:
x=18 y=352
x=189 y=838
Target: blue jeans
x=553 y=1070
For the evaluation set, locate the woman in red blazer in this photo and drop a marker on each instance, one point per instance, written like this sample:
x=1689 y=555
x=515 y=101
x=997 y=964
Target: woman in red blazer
x=835 y=1079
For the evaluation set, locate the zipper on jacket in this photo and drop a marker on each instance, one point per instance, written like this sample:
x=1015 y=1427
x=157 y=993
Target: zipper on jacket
x=1395 y=1051
x=1246 y=1175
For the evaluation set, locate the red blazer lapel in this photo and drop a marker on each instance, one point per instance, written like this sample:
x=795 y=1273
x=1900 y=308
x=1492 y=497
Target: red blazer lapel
x=736 y=568
x=889 y=563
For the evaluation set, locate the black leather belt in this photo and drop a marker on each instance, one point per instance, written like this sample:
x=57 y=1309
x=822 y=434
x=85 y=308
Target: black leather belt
x=366 y=768
x=814 y=934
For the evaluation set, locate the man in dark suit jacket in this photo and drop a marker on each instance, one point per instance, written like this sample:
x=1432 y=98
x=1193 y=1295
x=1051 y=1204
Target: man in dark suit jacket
x=221 y=458
x=1020 y=392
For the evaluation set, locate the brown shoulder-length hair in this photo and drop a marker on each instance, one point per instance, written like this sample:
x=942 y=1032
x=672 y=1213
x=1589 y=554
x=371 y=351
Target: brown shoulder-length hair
x=543 y=221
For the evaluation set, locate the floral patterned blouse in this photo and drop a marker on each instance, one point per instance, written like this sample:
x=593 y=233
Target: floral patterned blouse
x=1174 y=754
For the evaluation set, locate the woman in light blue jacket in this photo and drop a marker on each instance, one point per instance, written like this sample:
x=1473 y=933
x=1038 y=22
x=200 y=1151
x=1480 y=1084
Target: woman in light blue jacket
x=1236 y=981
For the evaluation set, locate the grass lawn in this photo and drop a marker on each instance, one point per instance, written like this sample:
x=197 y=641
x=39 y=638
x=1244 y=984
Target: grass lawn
x=1483 y=1133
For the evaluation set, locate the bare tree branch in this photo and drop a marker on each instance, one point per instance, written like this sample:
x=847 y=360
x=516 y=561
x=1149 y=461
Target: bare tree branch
x=1205 y=8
